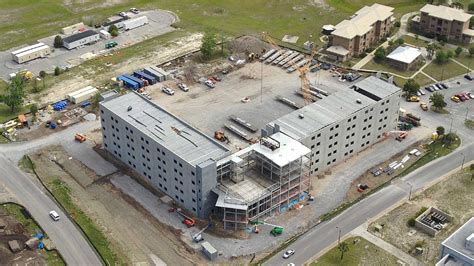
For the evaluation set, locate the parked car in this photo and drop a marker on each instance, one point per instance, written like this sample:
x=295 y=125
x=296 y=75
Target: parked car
x=209 y=83
x=54 y=215
x=288 y=253
x=418 y=93
x=444 y=86
x=465 y=96
x=429 y=89
x=134 y=10
x=470 y=94
x=439 y=86
x=167 y=90
x=122 y=14
x=468 y=77
x=183 y=87
x=455 y=99
x=435 y=87
x=146 y=95
x=421 y=92
x=424 y=106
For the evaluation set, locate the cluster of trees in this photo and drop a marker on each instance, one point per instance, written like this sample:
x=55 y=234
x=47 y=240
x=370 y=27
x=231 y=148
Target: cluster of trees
x=208 y=45
x=443 y=57
x=113 y=30
x=410 y=88
x=437 y=100
x=14 y=94
x=58 y=41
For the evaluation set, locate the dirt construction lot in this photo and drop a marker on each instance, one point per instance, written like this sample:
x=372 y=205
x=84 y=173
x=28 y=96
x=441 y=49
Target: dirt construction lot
x=136 y=237
x=453 y=195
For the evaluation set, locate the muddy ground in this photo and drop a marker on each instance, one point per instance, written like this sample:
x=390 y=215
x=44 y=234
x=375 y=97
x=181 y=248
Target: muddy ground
x=131 y=231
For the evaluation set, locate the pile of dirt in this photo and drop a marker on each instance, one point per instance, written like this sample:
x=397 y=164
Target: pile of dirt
x=248 y=44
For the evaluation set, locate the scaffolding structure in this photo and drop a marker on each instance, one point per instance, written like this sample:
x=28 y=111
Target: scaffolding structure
x=252 y=186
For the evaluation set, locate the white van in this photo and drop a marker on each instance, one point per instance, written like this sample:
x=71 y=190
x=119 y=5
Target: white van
x=54 y=215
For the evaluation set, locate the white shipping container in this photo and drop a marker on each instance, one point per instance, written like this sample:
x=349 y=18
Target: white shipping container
x=30 y=53
x=135 y=22
x=84 y=95
x=105 y=34
x=74 y=93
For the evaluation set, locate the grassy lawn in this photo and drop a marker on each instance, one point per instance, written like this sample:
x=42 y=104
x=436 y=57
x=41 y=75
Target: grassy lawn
x=28 y=20
x=361 y=252
x=465 y=59
x=31 y=227
x=61 y=192
x=422 y=79
x=469 y=124
x=414 y=41
x=452 y=195
x=383 y=66
x=6 y=114
x=444 y=71
x=434 y=151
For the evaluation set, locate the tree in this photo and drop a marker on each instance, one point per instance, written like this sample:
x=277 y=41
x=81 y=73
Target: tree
x=430 y=48
x=411 y=87
x=208 y=44
x=450 y=53
x=440 y=130
x=15 y=94
x=458 y=5
x=397 y=24
x=458 y=51
x=42 y=74
x=471 y=22
x=95 y=100
x=57 y=71
x=400 y=41
x=58 y=42
x=441 y=57
x=343 y=248
x=470 y=7
x=34 y=109
x=471 y=50
x=380 y=54
x=113 y=30
x=471 y=167
x=437 y=100
x=449 y=138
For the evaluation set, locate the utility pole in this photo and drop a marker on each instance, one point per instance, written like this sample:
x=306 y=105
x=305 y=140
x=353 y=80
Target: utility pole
x=463 y=159
x=339 y=238
x=409 y=194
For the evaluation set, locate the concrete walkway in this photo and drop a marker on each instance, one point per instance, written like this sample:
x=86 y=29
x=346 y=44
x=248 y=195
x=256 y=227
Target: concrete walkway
x=362 y=232
x=461 y=64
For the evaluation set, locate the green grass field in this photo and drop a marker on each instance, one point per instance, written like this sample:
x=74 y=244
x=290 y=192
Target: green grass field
x=383 y=66
x=25 y=21
x=361 y=252
x=444 y=71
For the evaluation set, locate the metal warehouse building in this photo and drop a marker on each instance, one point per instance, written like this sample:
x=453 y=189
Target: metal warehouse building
x=80 y=39
x=170 y=154
x=31 y=52
x=344 y=123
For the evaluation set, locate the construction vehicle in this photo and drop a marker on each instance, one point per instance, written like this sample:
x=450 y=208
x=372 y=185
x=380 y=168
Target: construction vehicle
x=80 y=137
x=424 y=106
x=25 y=74
x=198 y=236
x=276 y=230
x=401 y=134
x=110 y=44
x=188 y=221
x=220 y=136
x=413 y=99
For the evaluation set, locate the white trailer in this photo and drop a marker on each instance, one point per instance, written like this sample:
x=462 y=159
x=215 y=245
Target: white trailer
x=135 y=22
x=31 y=52
x=105 y=34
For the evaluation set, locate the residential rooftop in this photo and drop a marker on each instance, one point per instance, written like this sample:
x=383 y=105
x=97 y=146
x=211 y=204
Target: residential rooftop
x=79 y=36
x=405 y=54
x=362 y=21
x=334 y=108
x=165 y=128
x=446 y=13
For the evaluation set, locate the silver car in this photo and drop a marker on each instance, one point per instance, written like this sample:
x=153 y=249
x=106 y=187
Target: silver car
x=167 y=90
x=288 y=253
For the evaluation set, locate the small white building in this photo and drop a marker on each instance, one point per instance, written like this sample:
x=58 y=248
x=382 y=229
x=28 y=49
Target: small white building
x=135 y=22
x=31 y=52
x=458 y=248
x=73 y=28
x=403 y=57
x=82 y=94
x=80 y=39
x=105 y=34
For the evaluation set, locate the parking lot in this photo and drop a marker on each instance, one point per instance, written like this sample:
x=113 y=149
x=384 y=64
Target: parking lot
x=160 y=22
x=209 y=109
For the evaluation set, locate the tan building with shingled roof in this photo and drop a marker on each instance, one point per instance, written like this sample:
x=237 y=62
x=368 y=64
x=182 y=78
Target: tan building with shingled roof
x=364 y=29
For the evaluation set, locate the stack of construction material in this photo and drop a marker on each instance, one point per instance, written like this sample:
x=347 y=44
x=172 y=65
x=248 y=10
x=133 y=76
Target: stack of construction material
x=59 y=105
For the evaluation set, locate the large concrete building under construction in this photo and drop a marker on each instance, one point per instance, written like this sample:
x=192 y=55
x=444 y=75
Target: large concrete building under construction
x=267 y=177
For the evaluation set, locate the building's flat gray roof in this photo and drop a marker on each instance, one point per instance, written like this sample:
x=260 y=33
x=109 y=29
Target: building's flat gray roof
x=333 y=108
x=457 y=241
x=377 y=87
x=152 y=120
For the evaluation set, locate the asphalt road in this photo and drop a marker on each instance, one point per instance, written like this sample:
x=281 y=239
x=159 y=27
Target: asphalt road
x=67 y=238
x=326 y=234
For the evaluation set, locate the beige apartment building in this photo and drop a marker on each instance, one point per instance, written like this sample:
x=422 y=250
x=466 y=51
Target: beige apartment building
x=444 y=22
x=364 y=29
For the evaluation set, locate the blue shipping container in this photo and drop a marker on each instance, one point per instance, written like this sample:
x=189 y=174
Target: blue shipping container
x=140 y=74
x=129 y=83
x=137 y=80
